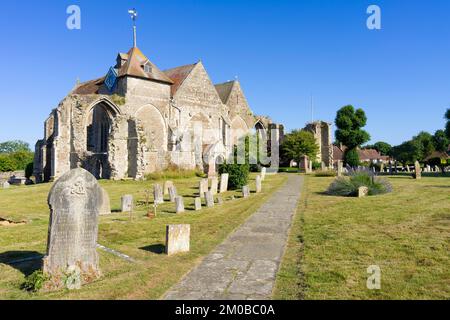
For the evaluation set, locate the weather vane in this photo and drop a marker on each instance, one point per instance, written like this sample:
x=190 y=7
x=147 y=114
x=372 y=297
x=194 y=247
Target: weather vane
x=134 y=15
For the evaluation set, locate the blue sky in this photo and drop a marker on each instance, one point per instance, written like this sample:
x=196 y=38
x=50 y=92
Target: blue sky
x=282 y=52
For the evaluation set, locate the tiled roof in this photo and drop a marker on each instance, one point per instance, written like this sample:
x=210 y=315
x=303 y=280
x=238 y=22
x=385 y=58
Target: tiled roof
x=364 y=154
x=224 y=90
x=178 y=75
x=89 y=87
x=134 y=67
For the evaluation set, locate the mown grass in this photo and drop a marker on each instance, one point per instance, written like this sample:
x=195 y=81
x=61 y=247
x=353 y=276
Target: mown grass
x=141 y=238
x=334 y=240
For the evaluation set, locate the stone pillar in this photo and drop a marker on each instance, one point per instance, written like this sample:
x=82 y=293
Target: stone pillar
x=418 y=171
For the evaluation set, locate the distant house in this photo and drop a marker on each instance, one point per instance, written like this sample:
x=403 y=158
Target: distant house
x=365 y=155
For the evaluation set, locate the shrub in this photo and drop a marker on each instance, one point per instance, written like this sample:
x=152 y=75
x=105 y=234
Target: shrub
x=29 y=170
x=316 y=165
x=238 y=174
x=325 y=173
x=348 y=186
x=6 y=163
x=173 y=173
x=35 y=281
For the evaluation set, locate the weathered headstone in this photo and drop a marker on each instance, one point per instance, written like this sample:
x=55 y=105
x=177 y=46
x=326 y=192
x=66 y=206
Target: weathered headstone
x=167 y=185
x=5 y=185
x=219 y=200
x=214 y=185
x=263 y=173
x=258 y=184
x=363 y=192
x=382 y=167
x=246 y=191
x=203 y=187
x=172 y=193
x=209 y=197
x=179 y=204
x=198 y=204
x=105 y=207
x=340 y=168
x=177 y=238
x=310 y=166
x=127 y=203
x=428 y=168
x=323 y=166
x=304 y=164
x=72 y=260
x=417 y=171
x=224 y=182
x=158 y=194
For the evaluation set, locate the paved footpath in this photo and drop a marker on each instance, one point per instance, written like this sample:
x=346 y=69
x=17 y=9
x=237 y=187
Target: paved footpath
x=245 y=265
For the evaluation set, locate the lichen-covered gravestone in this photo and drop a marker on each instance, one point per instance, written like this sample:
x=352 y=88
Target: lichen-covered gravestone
x=72 y=260
x=340 y=168
x=179 y=204
x=177 y=238
x=105 y=208
x=224 y=182
x=167 y=185
x=258 y=184
x=198 y=204
x=418 y=171
x=245 y=191
x=172 y=193
x=214 y=185
x=203 y=187
x=126 y=203
x=209 y=199
x=158 y=194
x=263 y=173
x=363 y=192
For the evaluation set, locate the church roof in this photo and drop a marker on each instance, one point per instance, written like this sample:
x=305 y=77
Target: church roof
x=224 y=90
x=134 y=67
x=89 y=87
x=178 y=75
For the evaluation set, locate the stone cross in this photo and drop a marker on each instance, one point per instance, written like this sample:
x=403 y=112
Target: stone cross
x=172 y=193
x=209 y=199
x=246 y=191
x=363 y=192
x=105 y=207
x=127 y=203
x=203 y=187
x=263 y=173
x=177 y=238
x=158 y=194
x=198 y=204
x=224 y=182
x=418 y=170
x=75 y=201
x=179 y=204
x=258 y=184
x=167 y=185
x=214 y=185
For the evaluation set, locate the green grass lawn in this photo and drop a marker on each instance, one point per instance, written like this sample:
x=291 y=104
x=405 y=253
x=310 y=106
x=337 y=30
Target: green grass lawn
x=141 y=238
x=334 y=240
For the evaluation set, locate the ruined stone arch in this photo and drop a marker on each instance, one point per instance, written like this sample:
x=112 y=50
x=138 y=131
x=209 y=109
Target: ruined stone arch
x=238 y=129
x=154 y=127
x=261 y=130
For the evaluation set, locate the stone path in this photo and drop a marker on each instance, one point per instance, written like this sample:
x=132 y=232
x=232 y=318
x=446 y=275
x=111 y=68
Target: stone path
x=245 y=265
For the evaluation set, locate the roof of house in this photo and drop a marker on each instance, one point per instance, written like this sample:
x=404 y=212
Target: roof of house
x=89 y=87
x=438 y=154
x=224 y=90
x=364 y=154
x=178 y=75
x=134 y=67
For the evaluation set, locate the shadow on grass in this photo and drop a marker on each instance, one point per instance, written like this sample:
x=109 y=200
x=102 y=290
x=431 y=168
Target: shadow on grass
x=155 y=248
x=26 y=262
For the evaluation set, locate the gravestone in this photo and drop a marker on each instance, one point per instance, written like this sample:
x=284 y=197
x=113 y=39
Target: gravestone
x=179 y=204
x=323 y=166
x=263 y=173
x=304 y=164
x=172 y=193
x=258 y=184
x=158 y=194
x=177 y=238
x=428 y=168
x=219 y=200
x=340 y=168
x=382 y=167
x=209 y=199
x=5 y=185
x=214 y=185
x=310 y=166
x=105 y=207
x=167 y=185
x=363 y=192
x=224 y=182
x=127 y=203
x=246 y=191
x=72 y=260
x=417 y=170
x=203 y=187
x=198 y=204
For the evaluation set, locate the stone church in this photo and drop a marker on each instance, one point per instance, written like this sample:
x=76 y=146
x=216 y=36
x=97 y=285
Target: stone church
x=138 y=119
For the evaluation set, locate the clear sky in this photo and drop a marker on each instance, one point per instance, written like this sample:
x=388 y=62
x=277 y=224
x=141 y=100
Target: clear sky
x=282 y=51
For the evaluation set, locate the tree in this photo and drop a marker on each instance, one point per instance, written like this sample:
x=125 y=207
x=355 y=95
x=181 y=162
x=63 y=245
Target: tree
x=447 y=127
x=425 y=141
x=349 y=123
x=408 y=152
x=441 y=141
x=383 y=148
x=299 y=143
x=14 y=146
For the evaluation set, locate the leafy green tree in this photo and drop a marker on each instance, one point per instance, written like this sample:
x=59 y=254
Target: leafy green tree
x=6 y=163
x=383 y=148
x=426 y=143
x=349 y=123
x=447 y=127
x=441 y=141
x=238 y=173
x=299 y=143
x=14 y=146
x=408 y=152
